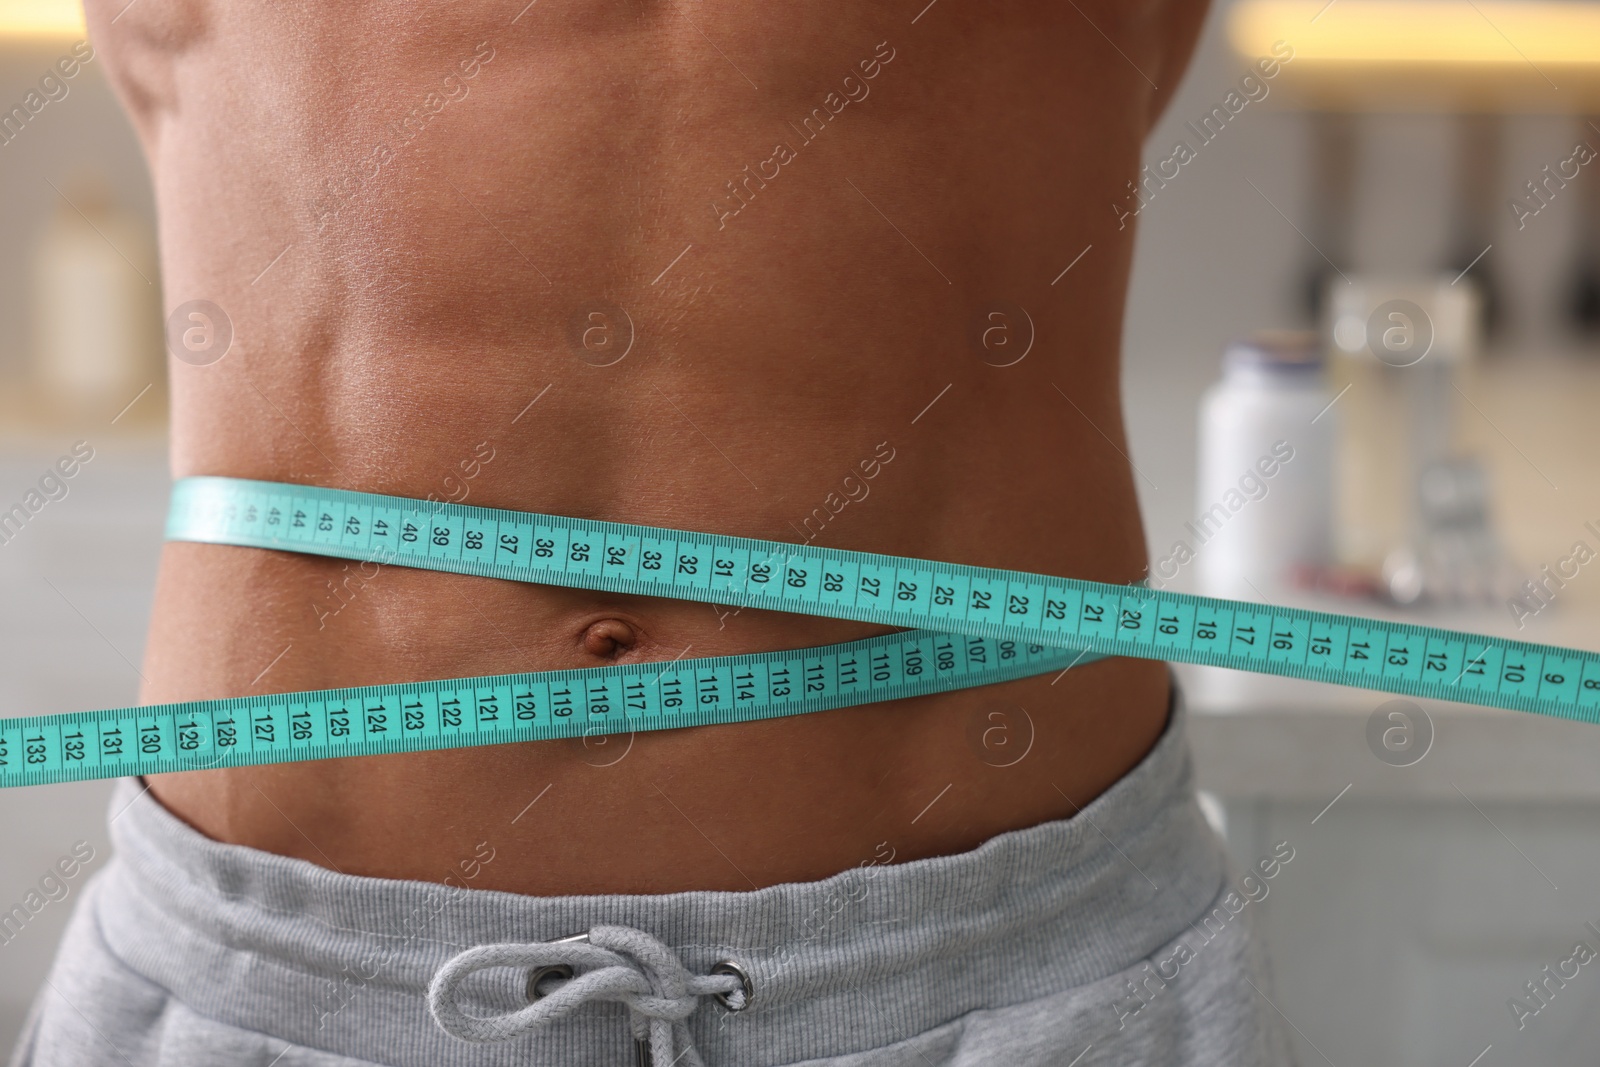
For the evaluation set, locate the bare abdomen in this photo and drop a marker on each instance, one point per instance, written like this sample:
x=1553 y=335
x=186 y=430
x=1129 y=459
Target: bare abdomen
x=584 y=262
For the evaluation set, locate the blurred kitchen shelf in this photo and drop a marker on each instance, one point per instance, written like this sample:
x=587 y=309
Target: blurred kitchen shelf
x=30 y=419
x=1380 y=89
x=1527 y=56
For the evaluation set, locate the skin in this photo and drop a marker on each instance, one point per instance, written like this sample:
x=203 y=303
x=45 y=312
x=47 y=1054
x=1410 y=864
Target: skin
x=395 y=314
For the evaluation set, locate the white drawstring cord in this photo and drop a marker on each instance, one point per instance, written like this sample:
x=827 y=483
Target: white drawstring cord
x=616 y=963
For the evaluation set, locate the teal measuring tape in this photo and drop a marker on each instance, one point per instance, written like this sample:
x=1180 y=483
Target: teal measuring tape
x=966 y=626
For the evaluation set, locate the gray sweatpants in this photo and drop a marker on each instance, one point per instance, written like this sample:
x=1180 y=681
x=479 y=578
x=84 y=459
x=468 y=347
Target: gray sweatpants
x=1119 y=936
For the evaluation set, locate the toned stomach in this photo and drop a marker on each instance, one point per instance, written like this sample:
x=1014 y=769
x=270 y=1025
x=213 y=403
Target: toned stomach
x=544 y=293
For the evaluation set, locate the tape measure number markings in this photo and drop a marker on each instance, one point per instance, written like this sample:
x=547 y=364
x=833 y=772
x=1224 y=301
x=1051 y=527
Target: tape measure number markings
x=993 y=625
x=892 y=590
x=548 y=705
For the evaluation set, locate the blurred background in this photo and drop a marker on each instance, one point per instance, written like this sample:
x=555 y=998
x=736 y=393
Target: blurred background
x=1371 y=269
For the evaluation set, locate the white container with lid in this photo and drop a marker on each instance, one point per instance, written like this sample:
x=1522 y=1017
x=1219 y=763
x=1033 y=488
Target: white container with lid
x=1264 y=495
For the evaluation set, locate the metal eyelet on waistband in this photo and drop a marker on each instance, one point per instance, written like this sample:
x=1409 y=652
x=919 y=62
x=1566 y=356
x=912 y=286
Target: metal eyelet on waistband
x=749 y=986
x=558 y=970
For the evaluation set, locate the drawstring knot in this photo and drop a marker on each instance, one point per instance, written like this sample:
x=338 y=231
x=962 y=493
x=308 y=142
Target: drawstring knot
x=610 y=963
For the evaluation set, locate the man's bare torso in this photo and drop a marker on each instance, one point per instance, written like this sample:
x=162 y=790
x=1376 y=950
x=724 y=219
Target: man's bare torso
x=697 y=263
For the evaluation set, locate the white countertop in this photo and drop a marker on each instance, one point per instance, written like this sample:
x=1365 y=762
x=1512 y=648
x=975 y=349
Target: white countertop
x=1312 y=753
x=1268 y=737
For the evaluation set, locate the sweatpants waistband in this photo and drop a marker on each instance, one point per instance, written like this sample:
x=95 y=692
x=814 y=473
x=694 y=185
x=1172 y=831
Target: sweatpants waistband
x=861 y=960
